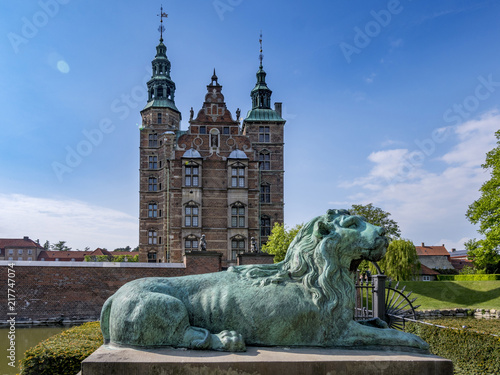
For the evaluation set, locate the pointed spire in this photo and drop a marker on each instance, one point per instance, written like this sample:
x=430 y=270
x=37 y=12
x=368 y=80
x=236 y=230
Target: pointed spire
x=214 y=79
x=261 y=95
x=261 y=56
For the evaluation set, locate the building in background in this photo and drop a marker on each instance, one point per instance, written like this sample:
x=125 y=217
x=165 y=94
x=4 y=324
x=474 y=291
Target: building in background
x=19 y=249
x=219 y=183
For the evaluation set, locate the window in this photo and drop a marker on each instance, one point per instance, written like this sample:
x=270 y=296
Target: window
x=151 y=257
x=153 y=209
x=203 y=130
x=152 y=184
x=225 y=130
x=43 y=259
x=237 y=246
x=264 y=161
x=265 y=193
x=57 y=259
x=20 y=258
x=30 y=252
x=153 y=140
x=264 y=135
x=153 y=162
x=30 y=259
x=238 y=215
x=191 y=216
x=11 y=251
x=72 y=259
x=426 y=278
x=20 y=251
x=191 y=243
x=238 y=176
x=11 y=258
x=152 y=237
x=159 y=118
x=265 y=226
x=159 y=92
x=192 y=175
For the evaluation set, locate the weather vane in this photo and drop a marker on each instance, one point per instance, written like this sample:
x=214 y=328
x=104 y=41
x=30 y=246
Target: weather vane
x=161 y=29
x=261 y=56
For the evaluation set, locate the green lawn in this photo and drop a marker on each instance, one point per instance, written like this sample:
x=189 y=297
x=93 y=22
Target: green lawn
x=454 y=294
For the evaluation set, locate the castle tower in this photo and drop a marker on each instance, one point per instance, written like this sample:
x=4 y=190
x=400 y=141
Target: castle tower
x=264 y=127
x=160 y=122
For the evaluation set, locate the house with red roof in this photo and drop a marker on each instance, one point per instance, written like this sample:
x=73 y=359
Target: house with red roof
x=78 y=256
x=434 y=257
x=17 y=249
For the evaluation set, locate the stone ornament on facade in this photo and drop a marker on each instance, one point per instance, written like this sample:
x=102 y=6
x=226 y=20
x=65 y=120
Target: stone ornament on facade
x=306 y=300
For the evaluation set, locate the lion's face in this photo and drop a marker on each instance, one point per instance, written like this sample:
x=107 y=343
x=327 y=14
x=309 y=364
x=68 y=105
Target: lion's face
x=355 y=238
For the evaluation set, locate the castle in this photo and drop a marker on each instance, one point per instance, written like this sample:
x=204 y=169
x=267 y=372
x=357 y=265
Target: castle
x=216 y=186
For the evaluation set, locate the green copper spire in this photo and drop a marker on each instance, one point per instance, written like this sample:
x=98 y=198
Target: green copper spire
x=261 y=97
x=161 y=88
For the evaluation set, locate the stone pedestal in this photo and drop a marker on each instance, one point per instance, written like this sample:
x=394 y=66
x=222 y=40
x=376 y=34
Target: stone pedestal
x=109 y=360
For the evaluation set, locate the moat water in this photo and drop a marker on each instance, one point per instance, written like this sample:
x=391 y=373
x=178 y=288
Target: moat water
x=25 y=338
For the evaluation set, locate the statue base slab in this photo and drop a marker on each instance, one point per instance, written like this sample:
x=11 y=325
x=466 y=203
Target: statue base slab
x=111 y=360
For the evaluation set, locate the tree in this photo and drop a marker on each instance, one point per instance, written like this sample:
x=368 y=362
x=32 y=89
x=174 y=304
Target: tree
x=401 y=260
x=485 y=211
x=279 y=240
x=377 y=216
x=126 y=248
x=46 y=245
x=60 y=246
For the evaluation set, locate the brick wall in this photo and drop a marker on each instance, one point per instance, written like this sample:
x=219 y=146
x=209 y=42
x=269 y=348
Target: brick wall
x=255 y=258
x=77 y=290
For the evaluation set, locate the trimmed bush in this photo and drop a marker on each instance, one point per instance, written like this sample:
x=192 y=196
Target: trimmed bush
x=472 y=353
x=473 y=277
x=62 y=354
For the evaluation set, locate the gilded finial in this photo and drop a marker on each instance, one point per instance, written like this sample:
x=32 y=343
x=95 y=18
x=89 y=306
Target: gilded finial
x=261 y=56
x=161 y=29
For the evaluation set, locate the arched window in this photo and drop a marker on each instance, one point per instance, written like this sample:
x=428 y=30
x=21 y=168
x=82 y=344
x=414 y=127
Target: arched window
x=152 y=237
x=191 y=213
x=265 y=226
x=264 y=161
x=238 y=215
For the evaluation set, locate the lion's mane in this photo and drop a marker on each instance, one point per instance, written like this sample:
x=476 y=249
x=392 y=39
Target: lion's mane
x=308 y=261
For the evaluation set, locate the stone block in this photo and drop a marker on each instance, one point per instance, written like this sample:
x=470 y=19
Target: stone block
x=108 y=360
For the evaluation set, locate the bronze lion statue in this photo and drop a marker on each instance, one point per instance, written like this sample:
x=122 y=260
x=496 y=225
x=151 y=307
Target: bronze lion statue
x=306 y=300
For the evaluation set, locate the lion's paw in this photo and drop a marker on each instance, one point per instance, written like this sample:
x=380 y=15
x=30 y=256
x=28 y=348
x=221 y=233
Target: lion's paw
x=230 y=341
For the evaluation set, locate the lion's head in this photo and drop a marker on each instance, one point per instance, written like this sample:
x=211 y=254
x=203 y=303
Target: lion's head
x=322 y=256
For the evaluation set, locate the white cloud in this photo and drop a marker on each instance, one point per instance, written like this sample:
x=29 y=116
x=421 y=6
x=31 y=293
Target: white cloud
x=431 y=206
x=78 y=223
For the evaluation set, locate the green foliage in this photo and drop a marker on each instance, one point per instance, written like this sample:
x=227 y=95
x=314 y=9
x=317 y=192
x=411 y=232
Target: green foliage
x=279 y=240
x=60 y=246
x=376 y=216
x=126 y=248
x=485 y=211
x=46 y=245
x=471 y=277
x=62 y=354
x=471 y=352
x=112 y=258
x=468 y=270
x=484 y=260
x=401 y=260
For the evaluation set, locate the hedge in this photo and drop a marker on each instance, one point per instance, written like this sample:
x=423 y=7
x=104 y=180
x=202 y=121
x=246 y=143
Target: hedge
x=62 y=354
x=473 y=277
x=472 y=353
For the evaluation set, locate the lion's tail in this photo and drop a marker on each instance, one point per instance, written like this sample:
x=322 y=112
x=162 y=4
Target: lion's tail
x=106 y=308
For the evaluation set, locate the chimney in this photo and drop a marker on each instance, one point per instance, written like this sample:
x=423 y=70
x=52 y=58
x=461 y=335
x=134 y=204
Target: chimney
x=442 y=245
x=423 y=244
x=277 y=107
x=453 y=249
x=26 y=238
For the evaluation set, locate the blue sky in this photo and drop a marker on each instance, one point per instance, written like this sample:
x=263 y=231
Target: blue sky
x=389 y=102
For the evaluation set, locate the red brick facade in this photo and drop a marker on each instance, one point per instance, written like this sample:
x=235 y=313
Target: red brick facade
x=217 y=179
